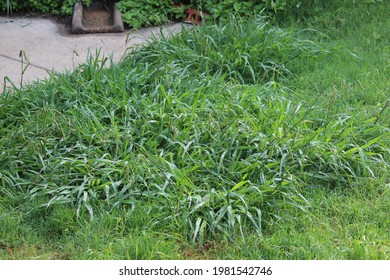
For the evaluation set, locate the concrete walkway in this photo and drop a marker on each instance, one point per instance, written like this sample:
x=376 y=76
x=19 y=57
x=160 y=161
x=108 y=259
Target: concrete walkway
x=48 y=46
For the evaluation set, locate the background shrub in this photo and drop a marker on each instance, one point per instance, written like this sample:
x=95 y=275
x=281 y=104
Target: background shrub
x=63 y=7
x=138 y=13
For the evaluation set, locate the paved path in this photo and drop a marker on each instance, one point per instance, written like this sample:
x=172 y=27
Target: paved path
x=48 y=46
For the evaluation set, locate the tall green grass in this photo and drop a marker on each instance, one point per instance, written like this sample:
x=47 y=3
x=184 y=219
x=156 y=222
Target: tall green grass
x=200 y=129
x=254 y=52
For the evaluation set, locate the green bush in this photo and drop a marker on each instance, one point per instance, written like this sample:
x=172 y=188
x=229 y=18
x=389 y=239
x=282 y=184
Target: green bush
x=137 y=13
x=63 y=7
x=282 y=10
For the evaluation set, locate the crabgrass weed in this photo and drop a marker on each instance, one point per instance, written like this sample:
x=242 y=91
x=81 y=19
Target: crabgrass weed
x=227 y=133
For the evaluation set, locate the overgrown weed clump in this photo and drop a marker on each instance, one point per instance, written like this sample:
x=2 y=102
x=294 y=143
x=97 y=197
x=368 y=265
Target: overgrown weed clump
x=200 y=131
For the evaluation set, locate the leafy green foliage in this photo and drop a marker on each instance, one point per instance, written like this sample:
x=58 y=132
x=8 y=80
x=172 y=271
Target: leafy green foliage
x=244 y=8
x=145 y=12
x=66 y=7
x=138 y=13
x=63 y=7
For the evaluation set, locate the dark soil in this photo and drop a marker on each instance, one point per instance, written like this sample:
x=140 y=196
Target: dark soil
x=97 y=18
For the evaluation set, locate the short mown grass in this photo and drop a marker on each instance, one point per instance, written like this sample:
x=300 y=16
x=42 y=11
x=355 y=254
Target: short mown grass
x=230 y=140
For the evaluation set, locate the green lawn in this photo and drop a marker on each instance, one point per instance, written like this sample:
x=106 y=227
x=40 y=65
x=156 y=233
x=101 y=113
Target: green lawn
x=238 y=140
